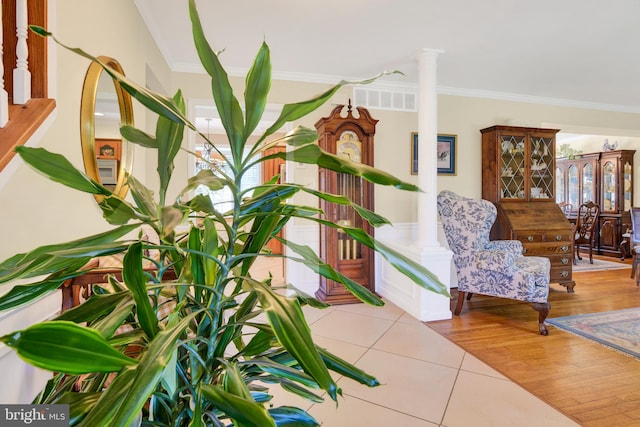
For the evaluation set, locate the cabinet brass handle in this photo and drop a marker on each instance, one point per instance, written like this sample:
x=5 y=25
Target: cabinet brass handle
x=564 y=248
x=558 y=237
x=564 y=261
x=564 y=273
x=529 y=238
x=524 y=251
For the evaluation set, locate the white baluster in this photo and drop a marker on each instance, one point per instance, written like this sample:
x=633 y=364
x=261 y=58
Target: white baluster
x=21 y=74
x=4 y=97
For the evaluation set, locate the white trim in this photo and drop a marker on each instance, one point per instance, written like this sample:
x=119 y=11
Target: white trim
x=33 y=141
x=530 y=99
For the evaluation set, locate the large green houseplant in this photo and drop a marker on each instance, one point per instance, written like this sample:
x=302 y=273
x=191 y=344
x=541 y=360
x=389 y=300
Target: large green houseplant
x=228 y=336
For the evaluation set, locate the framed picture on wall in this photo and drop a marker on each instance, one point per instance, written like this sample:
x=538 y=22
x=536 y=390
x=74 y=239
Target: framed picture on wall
x=108 y=148
x=446 y=154
x=414 y=153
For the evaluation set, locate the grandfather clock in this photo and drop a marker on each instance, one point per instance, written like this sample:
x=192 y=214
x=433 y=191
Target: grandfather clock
x=351 y=138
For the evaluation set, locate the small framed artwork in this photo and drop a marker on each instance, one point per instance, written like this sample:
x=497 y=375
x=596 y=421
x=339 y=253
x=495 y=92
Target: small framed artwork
x=414 y=153
x=446 y=153
x=108 y=148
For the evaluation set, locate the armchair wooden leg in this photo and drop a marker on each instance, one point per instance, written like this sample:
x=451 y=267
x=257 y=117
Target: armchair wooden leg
x=543 y=311
x=458 y=308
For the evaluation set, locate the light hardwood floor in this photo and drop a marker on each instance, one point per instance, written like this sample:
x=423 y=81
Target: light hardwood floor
x=593 y=385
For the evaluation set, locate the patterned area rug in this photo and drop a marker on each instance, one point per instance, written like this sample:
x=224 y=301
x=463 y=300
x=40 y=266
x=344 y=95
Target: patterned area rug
x=618 y=329
x=598 y=264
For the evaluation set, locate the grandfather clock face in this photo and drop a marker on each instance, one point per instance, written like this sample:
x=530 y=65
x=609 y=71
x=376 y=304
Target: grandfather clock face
x=349 y=146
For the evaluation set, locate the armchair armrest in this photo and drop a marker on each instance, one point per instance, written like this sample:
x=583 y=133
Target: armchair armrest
x=505 y=245
x=500 y=260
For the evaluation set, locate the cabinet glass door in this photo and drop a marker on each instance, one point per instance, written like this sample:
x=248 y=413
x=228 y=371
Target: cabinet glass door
x=559 y=186
x=541 y=164
x=588 y=185
x=628 y=185
x=609 y=186
x=573 y=196
x=512 y=167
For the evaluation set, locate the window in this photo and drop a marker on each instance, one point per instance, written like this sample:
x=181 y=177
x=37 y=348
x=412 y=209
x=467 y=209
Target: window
x=223 y=199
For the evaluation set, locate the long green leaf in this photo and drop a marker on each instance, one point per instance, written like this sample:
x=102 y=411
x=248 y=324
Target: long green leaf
x=345 y=368
x=313 y=154
x=258 y=83
x=288 y=416
x=22 y=294
x=311 y=260
x=154 y=101
x=410 y=268
x=117 y=211
x=244 y=412
x=136 y=281
x=149 y=371
x=94 y=307
x=138 y=136
x=290 y=327
x=66 y=347
x=292 y=112
x=32 y=263
x=226 y=103
x=57 y=168
x=103 y=412
x=169 y=136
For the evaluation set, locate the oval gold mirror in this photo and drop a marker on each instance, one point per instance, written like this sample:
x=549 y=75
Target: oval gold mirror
x=104 y=108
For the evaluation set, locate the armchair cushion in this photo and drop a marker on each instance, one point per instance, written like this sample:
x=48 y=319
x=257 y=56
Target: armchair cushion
x=496 y=260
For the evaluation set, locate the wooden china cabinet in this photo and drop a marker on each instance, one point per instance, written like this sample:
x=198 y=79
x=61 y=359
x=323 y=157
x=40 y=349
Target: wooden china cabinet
x=606 y=178
x=577 y=181
x=518 y=176
x=352 y=138
x=616 y=199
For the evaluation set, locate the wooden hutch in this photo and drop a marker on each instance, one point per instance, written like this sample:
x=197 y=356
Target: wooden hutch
x=606 y=178
x=518 y=165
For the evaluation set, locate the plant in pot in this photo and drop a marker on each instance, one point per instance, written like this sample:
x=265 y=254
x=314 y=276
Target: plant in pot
x=202 y=348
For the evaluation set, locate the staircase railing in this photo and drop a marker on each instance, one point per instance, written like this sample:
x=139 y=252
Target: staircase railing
x=24 y=102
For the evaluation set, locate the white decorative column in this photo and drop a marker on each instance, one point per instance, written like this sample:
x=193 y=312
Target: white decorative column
x=427 y=147
x=420 y=243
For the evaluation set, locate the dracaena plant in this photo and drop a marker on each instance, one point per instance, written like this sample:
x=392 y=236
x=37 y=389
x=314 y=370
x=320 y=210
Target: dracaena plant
x=227 y=336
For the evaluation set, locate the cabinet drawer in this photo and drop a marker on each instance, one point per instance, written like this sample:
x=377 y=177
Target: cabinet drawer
x=561 y=260
x=558 y=236
x=560 y=274
x=544 y=236
x=529 y=237
x=547 y=249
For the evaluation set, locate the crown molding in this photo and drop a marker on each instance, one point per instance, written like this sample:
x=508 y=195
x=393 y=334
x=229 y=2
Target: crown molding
x=530 y=99
x=411 y=87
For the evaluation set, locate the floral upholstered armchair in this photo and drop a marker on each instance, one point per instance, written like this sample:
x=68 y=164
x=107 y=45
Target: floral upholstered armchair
x=495 y=268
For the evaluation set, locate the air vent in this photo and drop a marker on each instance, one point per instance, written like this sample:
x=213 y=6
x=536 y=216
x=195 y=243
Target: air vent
x=385 y=99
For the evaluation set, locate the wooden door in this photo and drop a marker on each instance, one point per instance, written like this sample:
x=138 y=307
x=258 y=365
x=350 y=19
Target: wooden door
x=271 y=168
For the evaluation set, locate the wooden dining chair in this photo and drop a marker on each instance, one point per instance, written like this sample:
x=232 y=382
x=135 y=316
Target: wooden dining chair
x=634 y=243
x=585 y=229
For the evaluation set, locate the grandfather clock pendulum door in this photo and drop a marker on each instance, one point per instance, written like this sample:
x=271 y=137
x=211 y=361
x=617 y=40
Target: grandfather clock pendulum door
x=351 y=138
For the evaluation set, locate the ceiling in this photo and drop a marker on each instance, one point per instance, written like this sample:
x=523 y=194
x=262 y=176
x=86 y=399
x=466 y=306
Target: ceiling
x=566 y=52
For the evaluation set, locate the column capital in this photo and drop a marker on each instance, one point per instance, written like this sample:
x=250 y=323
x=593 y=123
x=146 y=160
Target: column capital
x=425 y=51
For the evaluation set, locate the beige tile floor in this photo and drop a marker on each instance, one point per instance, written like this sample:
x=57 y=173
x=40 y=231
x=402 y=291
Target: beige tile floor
x=425 y=379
